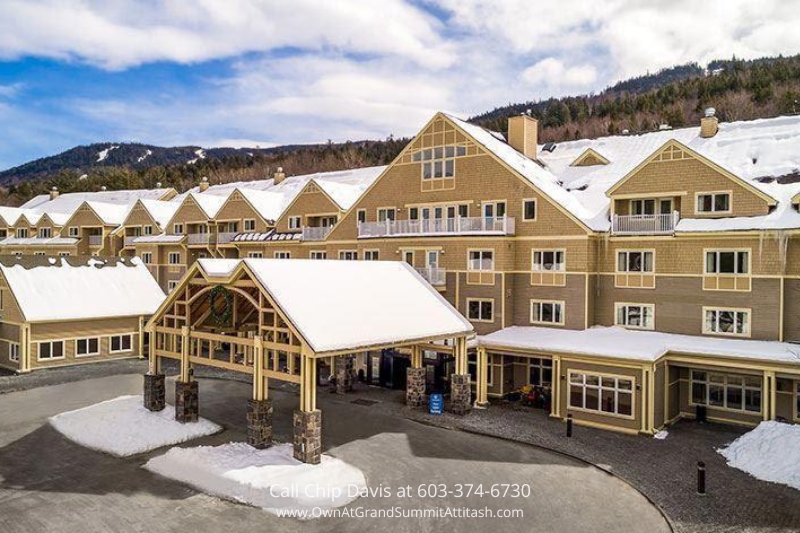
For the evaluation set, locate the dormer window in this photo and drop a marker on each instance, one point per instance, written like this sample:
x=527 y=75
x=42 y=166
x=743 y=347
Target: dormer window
x=177 y=229
x=22 y=233
x=45 y=233
x=713 y=202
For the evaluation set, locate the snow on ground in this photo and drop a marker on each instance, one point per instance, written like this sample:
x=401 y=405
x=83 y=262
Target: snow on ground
x=271 y=479
x=661 y=435
x=123 y=427
x=770 y=452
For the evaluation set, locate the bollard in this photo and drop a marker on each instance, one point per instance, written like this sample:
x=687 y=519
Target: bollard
x=701 y=478
x=569 y=425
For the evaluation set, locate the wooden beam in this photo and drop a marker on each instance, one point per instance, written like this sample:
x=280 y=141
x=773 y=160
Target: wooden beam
x=185 y=354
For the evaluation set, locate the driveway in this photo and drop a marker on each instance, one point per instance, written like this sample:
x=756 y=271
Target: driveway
x=48 y=483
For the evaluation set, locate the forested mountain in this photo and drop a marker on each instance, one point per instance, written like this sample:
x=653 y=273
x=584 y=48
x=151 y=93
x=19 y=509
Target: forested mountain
x=739 y=90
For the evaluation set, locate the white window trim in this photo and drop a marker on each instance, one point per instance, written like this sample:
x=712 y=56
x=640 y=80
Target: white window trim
x=318 y=254
x=282 y=254
x=88 y=354
x=724 y=386
x=74 y=231
x=174 y=254
x=172 y=284
x=563 y=313
x=295 y=222
x=535 y=209
x=481 y=251
x=480 y=313
x=147 y=258
x=251 y=222
x=634 y=250
x=706 y=251
x=343 y=252
x=121 y=350
x=619 y=305
x=372 y=251
x=12 y=348
x=600 y=377
x=749 y=322
x=176 y=227
x=563 y=263
x=39 y=351
x=697 y=196
x=386 y=209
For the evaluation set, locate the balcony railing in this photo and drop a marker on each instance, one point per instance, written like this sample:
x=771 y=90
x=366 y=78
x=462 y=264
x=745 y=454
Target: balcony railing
x=226 y=237
x=434 y=276
x=95 y=240
x=316 y=233
x=199 y=238
x=129 y=240
x=663 y=224
x=439 y=226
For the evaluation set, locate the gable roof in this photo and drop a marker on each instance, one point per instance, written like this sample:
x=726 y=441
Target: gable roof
x=74 y=289
x=68 y=202
x=342 y=305
x=159 y=210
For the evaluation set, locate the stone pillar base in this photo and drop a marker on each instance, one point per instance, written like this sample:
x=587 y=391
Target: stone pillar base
x=187 y=406
x=344 y=375
x=415 y=388
x=460 y=394
x=308 y=436
x=259 y=423
x=155 y=392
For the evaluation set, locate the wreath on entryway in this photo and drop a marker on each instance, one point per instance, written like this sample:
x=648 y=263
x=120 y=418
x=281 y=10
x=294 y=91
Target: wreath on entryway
x=222 y=316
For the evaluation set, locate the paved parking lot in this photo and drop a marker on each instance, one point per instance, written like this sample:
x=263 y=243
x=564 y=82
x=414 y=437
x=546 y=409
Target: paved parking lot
x=48 y=483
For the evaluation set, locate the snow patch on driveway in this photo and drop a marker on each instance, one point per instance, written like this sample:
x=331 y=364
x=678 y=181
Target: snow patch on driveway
x=770 y=452
x=123 y=427
x=271 y=479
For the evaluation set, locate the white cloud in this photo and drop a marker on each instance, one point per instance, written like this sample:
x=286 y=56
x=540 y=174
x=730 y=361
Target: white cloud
x=559 y=79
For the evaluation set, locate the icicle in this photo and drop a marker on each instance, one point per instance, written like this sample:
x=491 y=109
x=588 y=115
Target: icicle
x=782 y=236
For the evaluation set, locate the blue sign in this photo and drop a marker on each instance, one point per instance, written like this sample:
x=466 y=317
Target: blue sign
x=436 y=404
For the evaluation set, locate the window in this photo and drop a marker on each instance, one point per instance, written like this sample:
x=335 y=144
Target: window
x=319 y=255
x=45 y=233
x=371 y=255
x=148 y=230
x=408 y=257
x=295 y=223
x=63 y=254
x=480 y=310
x=348 y=255
x=546 y=312
x=634 y=261
x=13 y=352
x=74 y=231
x=86 y=347
x=250 y=224
x=283 y=255
x=727 y=262
x=439 y=162
x=147 y=258
x=635 y=316
x=22 y=233
x=386 y=213
x=481 y=260
x=177 y=229
x=255 y=255
x=729 y=391
x=603 y=394
x=39 y=254
x=51 y=350
x=734 y=322
x=121 y=343
x=540 y=371
x=361 y=215
x=548 y=260
x=529 y=210
x=171 y=285
x=174 y=258
x=718 y=202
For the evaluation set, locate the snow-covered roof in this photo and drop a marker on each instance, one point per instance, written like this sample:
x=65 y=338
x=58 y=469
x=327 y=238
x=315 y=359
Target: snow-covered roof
x=162 y=211
x=620 y=343
x=110 y=214
x=38 y=241
x=75 y=289
x=351 y=305
x=11 y=214
x=68 y=202
x=209 y=204
x=161 y=237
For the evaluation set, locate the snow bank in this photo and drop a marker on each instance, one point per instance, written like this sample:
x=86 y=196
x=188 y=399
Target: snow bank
x=270 y=479
x=123 y=426
x=770 y=452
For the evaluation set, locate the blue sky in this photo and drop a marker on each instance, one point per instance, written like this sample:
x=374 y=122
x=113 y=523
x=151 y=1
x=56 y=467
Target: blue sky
x=265 y=72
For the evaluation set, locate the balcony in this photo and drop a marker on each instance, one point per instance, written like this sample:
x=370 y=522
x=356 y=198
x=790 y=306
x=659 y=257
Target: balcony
x=226 y=237
x=434 y=276
x=199 y=238
x=129 y=240
x=95 y=240
x=438 y=226
x=316 y=233
x=645 y=224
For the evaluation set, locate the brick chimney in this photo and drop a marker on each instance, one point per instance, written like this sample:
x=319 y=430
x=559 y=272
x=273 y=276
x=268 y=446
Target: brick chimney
x=523 y=134
x=54 y=193
x=709 y=125
x=279 y=176
x=204 y=184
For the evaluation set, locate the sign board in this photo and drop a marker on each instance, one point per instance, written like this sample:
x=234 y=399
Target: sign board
x=436 y=404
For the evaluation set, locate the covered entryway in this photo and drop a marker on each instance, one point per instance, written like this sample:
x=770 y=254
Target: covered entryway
x=277 y=319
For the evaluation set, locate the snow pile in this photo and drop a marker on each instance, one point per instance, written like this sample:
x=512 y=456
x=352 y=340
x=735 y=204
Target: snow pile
x=102 y=155
x=271 y=479
x=123 y=427
x=661 y=435
x=770 y=452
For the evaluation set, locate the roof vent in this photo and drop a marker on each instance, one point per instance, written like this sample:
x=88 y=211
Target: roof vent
x=103 y=188
x=710 y=112
x=549 y=147
x=158 y=185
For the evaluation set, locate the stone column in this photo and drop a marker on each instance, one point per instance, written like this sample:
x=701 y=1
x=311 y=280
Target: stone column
x=344 y=374
x=259 y=423
x=415 y=388
x=460 y=394
x=308 y=436
x=155 y=391
x=187 y=406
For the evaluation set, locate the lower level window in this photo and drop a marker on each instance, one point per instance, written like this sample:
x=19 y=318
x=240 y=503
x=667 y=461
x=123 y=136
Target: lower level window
x=371 y=255
x=283 y=255
x=13 y=352
x=543 y=312
x=51 y=350
x=89 y=346
x=740 y=393
x=255 y=255
x=480 y=310
x=121 y=343
x=319 y=255
x=735 y=322
x=604 y=394
x=540 y=371
x=637 y=316
x=348 y=255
